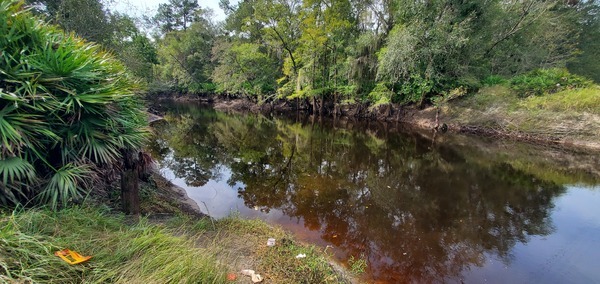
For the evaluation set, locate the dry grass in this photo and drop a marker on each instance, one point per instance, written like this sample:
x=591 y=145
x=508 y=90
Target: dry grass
x=242 y=244
x=572 y=115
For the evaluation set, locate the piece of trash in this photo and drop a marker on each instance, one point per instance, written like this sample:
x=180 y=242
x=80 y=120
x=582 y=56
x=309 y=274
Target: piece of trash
x=270 y=242
x=71 y=257
x=256 y=278
x=301 y=255
x=404 y=253
x=231 y=276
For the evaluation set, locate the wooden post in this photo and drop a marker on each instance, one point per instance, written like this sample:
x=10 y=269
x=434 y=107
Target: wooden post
x=130 y=189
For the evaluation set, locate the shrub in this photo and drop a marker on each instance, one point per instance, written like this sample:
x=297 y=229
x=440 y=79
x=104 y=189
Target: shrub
x=545 y=81
x=493 y=80
x=380 y=95
x=66 y=108
x=415 y=90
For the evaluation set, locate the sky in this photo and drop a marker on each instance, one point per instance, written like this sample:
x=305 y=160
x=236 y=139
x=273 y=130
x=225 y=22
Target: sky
x=148 y=7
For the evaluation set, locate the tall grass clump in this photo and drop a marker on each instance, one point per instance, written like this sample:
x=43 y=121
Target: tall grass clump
x=576 y=101
x=67 y=108
x=121 y=253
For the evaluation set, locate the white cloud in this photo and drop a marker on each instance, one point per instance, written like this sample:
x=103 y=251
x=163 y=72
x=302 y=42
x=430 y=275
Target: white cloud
x=148 y=7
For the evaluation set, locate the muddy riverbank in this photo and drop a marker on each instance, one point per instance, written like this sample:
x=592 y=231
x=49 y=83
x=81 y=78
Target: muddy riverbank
x=457 y=117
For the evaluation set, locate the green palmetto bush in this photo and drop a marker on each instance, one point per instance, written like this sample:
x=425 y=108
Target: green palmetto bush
x=67 y=108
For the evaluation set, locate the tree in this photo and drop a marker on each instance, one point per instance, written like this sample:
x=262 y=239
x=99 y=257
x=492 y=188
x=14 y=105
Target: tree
x=587 y=61
x=185 y=56
x=67 y=110
x=87 y=18
x=280 y=21
x=424 y=49
x=133 y=47
x=116 y=32
x=245 y=69
x=436 y=46
x=176 y=15
x=327 y=27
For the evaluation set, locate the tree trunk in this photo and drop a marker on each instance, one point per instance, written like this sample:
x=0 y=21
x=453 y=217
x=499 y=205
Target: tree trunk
x=130 y=190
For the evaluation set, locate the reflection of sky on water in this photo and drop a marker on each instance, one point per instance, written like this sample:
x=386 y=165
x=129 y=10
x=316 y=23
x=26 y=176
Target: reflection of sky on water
x=569 y=255
x=561 y=257
x=222 y=200
x=415 y=212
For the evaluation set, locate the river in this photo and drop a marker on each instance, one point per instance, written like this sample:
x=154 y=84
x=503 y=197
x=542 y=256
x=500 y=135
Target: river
x=416 y=208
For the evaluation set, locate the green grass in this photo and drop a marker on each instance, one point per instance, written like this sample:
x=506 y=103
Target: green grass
x=357 y=265
x=180 y=249
x=572 y=114
x=140 y=253
x=576 y=100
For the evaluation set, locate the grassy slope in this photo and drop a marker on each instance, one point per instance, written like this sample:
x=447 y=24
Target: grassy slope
x=570 y=116
x=176 y=250
x=140 y=253
x=166 y=248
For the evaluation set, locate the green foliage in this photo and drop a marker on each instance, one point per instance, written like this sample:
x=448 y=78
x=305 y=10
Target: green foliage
x=493 y=80
x=202 y=88
x=357 y=265
x=176 y=15
x=587 y=61
x=184 y=56
x=139 y=55
x=569 y=100
x=418 y=49
x=66 y=107
x=546 y=81
x=245 y=68
x=89 y=19
x=425 y=50
x=380 y=95
x=415 y=89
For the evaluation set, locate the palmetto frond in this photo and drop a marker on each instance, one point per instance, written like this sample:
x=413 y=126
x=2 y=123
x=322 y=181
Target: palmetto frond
x=19 y=129
x=15 y=176
x=66 y=106
x=16 y=169
x=67 y=183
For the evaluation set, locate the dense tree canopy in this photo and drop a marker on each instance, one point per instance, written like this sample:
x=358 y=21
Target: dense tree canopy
x=379 y=50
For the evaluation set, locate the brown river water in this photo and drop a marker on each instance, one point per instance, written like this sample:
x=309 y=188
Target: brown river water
x=416 y=208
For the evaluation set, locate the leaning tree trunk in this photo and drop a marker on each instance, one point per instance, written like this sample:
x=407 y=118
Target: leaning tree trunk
x=130 y=190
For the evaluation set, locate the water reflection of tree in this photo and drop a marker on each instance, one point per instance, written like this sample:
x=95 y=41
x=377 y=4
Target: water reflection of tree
x=416 y=212
x=187 y=147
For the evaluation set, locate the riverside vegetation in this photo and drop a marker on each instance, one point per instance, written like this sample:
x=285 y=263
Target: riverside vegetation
x=70 y=113
x=173 y=248
x=381 y=56
x=69 y=116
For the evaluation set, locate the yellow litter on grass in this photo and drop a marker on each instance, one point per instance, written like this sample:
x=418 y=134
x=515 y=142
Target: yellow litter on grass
x=71 y=257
